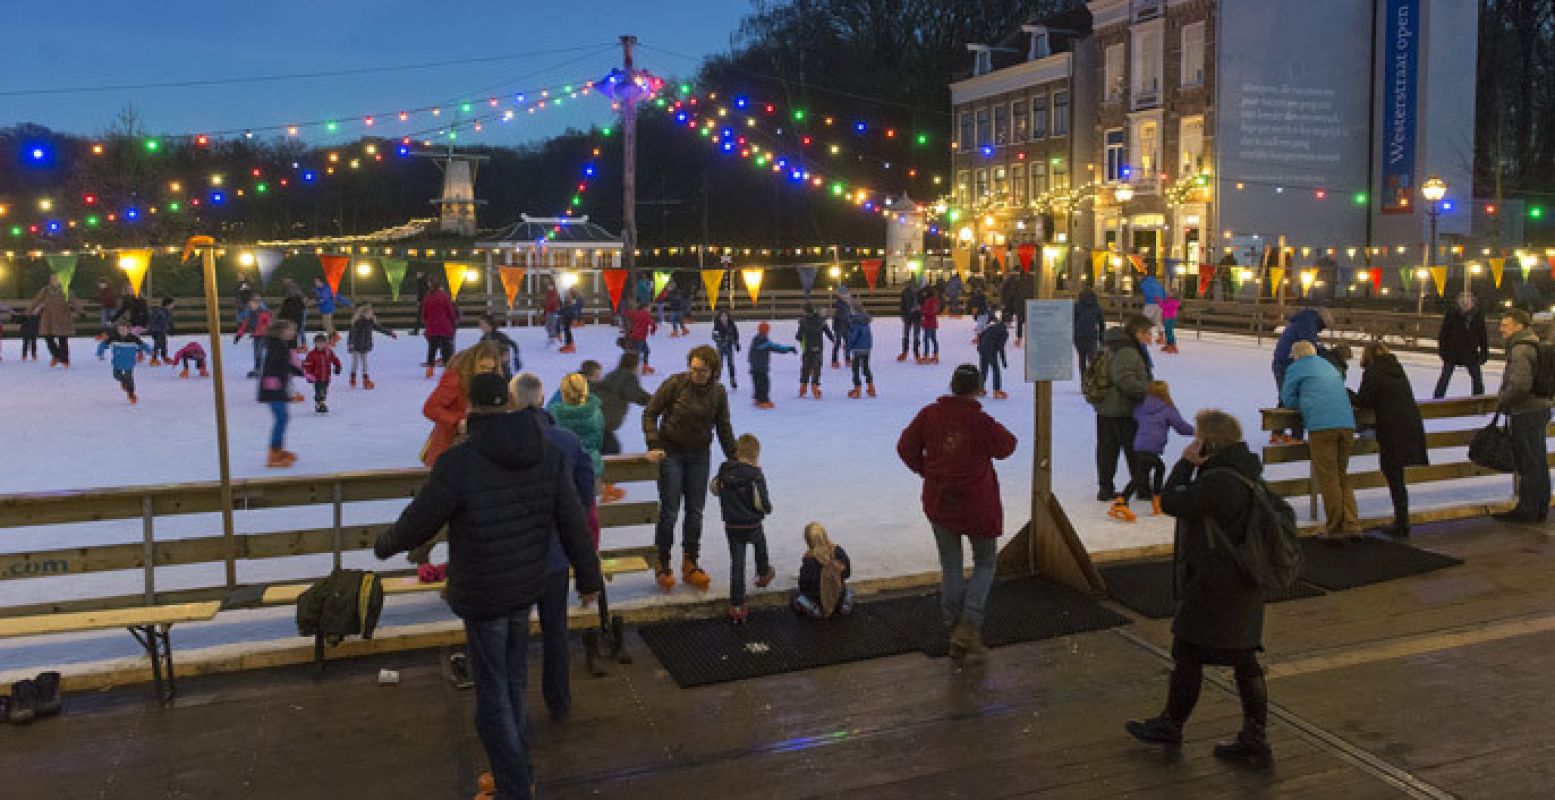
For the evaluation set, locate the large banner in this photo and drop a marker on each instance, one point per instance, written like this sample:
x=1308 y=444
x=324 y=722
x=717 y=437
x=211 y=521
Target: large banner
x=1400 y=82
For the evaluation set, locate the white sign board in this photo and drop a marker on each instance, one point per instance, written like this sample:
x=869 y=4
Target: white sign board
x=1049 y=340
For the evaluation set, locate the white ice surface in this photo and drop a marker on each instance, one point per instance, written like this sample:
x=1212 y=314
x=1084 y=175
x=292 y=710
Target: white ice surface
x=832 y=460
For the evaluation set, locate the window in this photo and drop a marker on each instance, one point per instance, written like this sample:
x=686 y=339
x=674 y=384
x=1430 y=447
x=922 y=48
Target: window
x=964 y=133
x=1115 y=164
x=1038 y=179
x=1020 y=128
x=1193 y=54
x=1113 y=79
x=1147 y=66
x=1018 y=183
x=982 y=62
x=1001 y=182
x=984 y=132
x=1001 y=124
x=1147 y=151
x=982 y=185
x=1039 y=117
x=1039 y=45
x=963 y=187
x=1191 y=140
x=1060 y=175
x=1060 y=113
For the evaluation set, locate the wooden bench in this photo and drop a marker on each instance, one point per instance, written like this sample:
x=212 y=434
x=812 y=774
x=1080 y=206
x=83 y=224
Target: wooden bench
x=286 y=593
x=149 y=625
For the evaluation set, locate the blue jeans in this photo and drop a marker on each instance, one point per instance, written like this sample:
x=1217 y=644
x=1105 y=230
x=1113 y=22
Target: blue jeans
x=958 y=595
x=738 y=540
x=280 y=411
x=930 y=342
x=991 y=363
x=726 y=354
x=259 y=354
x=1171 y=331
x=555 y=686
x=1533 y=470
x=497 y=648
x=682 y=476
x=643 y=350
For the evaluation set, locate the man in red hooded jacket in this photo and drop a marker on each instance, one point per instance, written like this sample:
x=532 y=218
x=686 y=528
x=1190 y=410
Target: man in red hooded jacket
x=952 y=444
x=440 y=316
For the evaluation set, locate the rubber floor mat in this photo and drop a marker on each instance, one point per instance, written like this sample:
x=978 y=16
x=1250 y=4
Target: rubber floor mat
x=1146 y=587
x=1019 y=610
x=1366 y=561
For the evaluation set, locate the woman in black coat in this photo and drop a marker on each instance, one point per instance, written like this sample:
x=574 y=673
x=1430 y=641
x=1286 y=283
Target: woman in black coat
x=1219 y=619
x=1462 y=342
x=1386 y=391
x=1090 y=325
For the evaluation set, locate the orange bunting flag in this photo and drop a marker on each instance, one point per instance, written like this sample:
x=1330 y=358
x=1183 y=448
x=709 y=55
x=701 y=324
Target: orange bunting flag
x=334 y=267
x=1026 y=253
x=615 y=282
x=1376 y=280
x=871 y=267
x=456 y=272
x=1138 y=261
x=752 y=282
x=1001 y=256
x=512 y=281
x=135 y=264
x=1497 y=269
x=712 y=279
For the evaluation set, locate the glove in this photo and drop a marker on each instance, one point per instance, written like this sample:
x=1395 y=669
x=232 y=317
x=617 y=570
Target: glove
x=237 y=338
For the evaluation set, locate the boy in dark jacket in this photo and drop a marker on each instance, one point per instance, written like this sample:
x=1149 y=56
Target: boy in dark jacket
x=726 y=337
x=28 y=323
x=275 y=388
x=160 y=327
x=316 y=367
x=860 y=341
x=1090 y=325
x=760 y=355
x=912 y=319
x=492 y=332
x=127 y=349
x=1462 y=342
x=990 y=354
x=254 y=321
x=742 y=492
x=812 y=336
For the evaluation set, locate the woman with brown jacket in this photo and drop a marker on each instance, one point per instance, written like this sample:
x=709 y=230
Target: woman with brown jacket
x=56 y=320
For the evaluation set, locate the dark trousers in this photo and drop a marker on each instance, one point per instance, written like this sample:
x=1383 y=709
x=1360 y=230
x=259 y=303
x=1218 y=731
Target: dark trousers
x=30 y=345
x=739 y=539
x=726 y=353
x=320 y=391
x=761 y=386
x=59 y=348
x=682 y=478
x=1398 y=491
x=643 y=350
x=861 y=364
x=555 y=685
x=1148 y=473
x=611 y=446
x=839 y=341
x=1533 y=471
x=911 y=326
x=1114 y=435
x=1087 y=355
x=497 y=651
x=990 y=363
x=159 y=346
x=1020 y=321
x=931 y=341
x=1477 y=380
x=126 y=379
x=1188 y=678
x=439 y=346
x=810 y=367
x=566 y=324
x=415 y=325
x=259 y=355
x=199 y=363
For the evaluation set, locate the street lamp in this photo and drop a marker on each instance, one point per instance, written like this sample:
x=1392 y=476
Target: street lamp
x=1433 y=190
x=1123 y=193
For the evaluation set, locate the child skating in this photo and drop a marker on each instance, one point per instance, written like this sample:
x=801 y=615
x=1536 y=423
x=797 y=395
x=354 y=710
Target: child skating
x=742 y=494
x=990 y=354
x=639 y=324
x=359 y=342
x=1170 y=307
x=1156 y=416
x=190 y=353
x=861 y=339
x=812 y=336
x=761 y=349
x=930 y=310
x=823 y=577
x=492 y=332
x=127 y=350
x=316 y=367
x=255 y=322
x=275 y=388
x=726 y=337
x=160 y=326
x=27 y=324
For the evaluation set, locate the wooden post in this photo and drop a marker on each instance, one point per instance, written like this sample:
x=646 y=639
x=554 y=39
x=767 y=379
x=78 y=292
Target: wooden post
x=629 y=162
x=213 y=323
x=149 y=547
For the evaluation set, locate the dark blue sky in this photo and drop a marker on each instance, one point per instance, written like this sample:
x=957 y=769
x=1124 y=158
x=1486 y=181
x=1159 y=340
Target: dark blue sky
x=95 y=43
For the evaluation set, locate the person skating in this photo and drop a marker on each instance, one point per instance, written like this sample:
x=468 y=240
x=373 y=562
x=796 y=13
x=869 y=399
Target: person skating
x=1316 y=388
x=1463 y=341
x=929 y=311
x=861 y=339
x=551 y=308
x=107 y=306
x=812 y=335
x=745 y=501
x=439 y=316
x=571 y=312
x=491 y=330
x=1012 y=300
x=1386 y=391
x=294 y=309
x=359 y=342
x=824 y=570
x=841 y=317
x=448 y=403
x=55 y=312
x=275 y=388
x=953 y=289
x=255 y=321
x=952 y=444
x=1170 y=307
x=1090 y=325
x=1528 y=416
x=618 y=389
x=678 y=425
x=326 y=300
x=991 y=357
x=191 y=353
x=681 y=300
x=1154 y=418
x=241 y=295
x=760 y=355
x=423 y=286
x=160 y=327
x=317 y=366
x=1219 y=616
x=27 y=327
x=127 y=350
x=912 y=319
x=1129 y=377
x=1153 y=293
x=726 y=337
x=639 y=326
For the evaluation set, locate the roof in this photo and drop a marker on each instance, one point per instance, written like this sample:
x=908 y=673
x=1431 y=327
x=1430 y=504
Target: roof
x=555 y=230
x=1065 y=28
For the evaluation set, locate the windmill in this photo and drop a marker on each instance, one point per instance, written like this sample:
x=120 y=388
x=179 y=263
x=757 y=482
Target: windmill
x=457 y=205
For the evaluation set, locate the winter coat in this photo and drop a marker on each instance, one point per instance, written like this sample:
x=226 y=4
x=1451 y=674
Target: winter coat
x=509 y=348
x=579 y=465
x=438 y=314
x=1130 y=373
x=161 y=321
x=254 y=322
x=726 y=335
x=1463 y=340
x=909 y=302
x=588 y=422
x=446 y=407
x=813 y=333
x=1522 y=364
x=1152 y=290
x=1303 y=326
x=318 y=364
x=952 y=443
x=761 y=351
x=1156 y=418
x=327 y=299
x=1170 y=308
x=553 y=302
x=56 y=313
x=810 y=573
x=502 y=494
x=1386 y=391
x=930 y=311
x=135 y=310
x=682 y=417
x=1217 y=607
x=991 y=341
x=860 y=338
x=639 y=324
x=644 y=291
x=742 y=494
x=192 y=351
x=360 y=338
x=293 y=308
x=1090 y=324
x=1012 y=296
x=615 y=391
x=127 y=349
x=572 y=308
x=276 y=371
x=1315 y=387
x=841 y=316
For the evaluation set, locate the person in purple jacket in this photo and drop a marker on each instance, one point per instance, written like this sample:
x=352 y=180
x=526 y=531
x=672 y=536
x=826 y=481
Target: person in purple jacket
x=1156 y=416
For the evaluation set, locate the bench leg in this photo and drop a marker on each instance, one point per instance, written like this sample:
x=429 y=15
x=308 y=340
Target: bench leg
x=159 y=649
x=318 y=651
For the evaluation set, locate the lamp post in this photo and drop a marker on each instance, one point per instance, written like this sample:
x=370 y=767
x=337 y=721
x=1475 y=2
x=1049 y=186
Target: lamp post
x=1123 y=193
x=1433 y=190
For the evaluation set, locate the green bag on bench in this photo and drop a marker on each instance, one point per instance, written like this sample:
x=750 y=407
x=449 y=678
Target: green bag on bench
x=346 y=603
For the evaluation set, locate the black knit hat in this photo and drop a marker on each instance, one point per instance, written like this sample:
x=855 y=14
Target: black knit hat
x=488 y=390
x=965 y=380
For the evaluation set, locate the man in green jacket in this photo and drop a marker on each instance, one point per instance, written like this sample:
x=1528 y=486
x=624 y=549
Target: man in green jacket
x=1528 y=415
x=1115 y=427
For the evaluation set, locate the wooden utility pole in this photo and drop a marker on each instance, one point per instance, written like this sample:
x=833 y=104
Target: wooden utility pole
x=629 y=161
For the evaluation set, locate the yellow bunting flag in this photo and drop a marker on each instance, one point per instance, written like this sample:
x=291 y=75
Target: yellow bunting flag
x=712 y=279
x=660 y=280
x=512 y=281
x=1276 y=278
x=456 y=271
x=752 y=282
x=1497 y=269
x=135 y=264
x=961 y=261
x=1439 y=277
x=1099 y=260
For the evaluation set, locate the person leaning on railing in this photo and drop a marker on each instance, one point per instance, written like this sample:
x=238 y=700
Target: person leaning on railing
x=1528 y=417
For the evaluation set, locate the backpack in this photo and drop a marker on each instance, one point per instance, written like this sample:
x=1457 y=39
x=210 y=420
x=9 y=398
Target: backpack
x=1096 y=383
x=1544 y=369
x=1270 y=554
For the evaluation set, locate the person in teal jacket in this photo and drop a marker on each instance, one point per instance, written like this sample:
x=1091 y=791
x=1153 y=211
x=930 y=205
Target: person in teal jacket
x=1314 y=387
x=579 y=411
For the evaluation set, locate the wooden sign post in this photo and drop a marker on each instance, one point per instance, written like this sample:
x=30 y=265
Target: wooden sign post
x=207 y=247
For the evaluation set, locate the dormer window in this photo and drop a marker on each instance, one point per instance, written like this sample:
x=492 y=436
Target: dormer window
x=1041 y=42
x=982 y=59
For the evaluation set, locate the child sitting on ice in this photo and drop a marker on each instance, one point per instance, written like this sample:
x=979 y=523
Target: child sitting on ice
x=127 y=350
x=190 y=352
x=1156 y=416
x=742 y=494
x=823 y=577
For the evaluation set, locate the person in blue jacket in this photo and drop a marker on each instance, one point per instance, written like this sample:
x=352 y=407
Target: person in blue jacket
x=1303 y=326
x=1153 y=293
x=326 y=302
x=1314 y=387
x=760 y=354
x=127 y=349
x=860 y=341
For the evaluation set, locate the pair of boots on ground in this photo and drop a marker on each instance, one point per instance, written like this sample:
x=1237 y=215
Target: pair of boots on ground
x=1251 y=745
x=32 y=699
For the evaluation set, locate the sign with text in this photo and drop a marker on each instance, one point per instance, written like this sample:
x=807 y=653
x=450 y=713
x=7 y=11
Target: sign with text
x=1400 y=81
x=1049 y=340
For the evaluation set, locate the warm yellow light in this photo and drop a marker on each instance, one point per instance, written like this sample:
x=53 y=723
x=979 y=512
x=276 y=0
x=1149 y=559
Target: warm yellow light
x=966 y=234
x=175 y=186
x=364 y=269
x=217 y=180
x=246 y=259
x=836 y=272
x=372 y=149
x=567 y=280
x=1422 y=273
x=989 y=221
x=1247 y=274
x=45 y=204
x=1475 y=269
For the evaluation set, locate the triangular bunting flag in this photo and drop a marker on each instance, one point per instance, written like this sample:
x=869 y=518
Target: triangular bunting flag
x=1276 y=279
x=512 y=281
x=1026 y=253
x=752 y=282
x=871 y=267
x=1308 y=280
x=615 y=283
x=1138 y=261
x=334 y=267
x=135 y=264
x=1375 y=275
x=806 y=279
x=961 y=260
x=268 y=261
x=712 y=279
x=64 y=268
x=1001 y=257
x=1552 y=266
x=661 y=280
x=1206 y=276
x=394 y=271
x=1099 y=260
x=456 y=271
x=1497 y=269
x=1439 y=277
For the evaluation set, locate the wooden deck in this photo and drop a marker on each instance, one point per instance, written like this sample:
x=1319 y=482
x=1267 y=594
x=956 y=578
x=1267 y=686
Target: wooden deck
x=1432 y=686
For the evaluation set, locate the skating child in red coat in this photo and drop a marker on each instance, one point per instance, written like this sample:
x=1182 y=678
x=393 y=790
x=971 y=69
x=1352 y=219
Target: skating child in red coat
x=316 y=367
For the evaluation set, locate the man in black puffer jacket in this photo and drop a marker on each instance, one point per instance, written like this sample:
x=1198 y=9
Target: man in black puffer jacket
x=503 y=494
